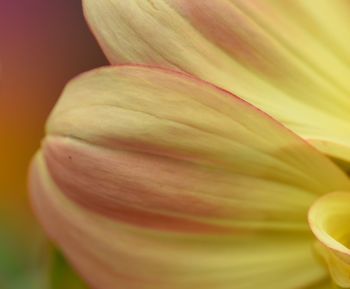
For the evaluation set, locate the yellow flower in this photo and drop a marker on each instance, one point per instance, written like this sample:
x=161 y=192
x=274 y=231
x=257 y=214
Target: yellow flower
x=151 y=178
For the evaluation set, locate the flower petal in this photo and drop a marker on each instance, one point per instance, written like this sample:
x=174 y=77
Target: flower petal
x=110 y=254
x=243 y=46
x=329 y=220
x=151 y=178
x=177 y=146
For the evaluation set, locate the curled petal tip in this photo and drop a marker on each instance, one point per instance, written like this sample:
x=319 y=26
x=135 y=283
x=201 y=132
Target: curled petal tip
x=329 y=219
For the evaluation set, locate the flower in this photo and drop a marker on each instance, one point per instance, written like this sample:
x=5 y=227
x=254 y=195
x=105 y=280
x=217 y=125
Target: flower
x=151 y=178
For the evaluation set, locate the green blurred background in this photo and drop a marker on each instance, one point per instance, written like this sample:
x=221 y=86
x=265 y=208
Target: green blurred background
x=43 y=44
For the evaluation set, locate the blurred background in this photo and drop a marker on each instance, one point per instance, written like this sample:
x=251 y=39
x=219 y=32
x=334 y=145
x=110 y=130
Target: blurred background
x=43 y=44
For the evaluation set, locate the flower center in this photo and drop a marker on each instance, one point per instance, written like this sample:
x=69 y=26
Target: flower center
x=329 y=219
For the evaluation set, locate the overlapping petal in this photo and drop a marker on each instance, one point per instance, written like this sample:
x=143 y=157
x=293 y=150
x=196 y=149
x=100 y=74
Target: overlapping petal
x=150 y=178
x=286 y=57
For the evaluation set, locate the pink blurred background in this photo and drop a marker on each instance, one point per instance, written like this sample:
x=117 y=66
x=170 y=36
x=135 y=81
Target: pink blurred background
x=43 y=43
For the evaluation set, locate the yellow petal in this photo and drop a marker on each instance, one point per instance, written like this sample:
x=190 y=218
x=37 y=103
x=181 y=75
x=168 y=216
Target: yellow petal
x=329 y=220
x=151 y=178
x=281 y=56
x=185 y=147
x=109 y=254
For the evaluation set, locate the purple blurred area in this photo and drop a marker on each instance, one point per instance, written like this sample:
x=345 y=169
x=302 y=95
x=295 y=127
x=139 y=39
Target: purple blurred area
x=43 y=44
